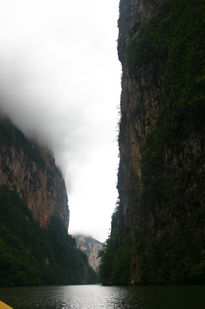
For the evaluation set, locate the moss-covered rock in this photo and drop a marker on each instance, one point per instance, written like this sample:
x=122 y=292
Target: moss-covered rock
x=162 y=143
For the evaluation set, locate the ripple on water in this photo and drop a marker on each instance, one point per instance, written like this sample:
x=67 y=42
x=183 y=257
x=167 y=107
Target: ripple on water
x=99 y=297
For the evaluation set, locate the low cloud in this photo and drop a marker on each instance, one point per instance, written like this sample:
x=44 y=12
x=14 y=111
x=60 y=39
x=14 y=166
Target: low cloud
x=60 y=83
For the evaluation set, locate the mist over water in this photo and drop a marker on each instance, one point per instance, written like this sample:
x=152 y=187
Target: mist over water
x=60 y=84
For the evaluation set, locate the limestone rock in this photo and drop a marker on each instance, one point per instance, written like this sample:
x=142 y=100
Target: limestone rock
x=30 y=170
x=91 y=248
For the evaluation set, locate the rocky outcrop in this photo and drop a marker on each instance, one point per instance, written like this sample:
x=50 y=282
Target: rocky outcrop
x=31 y=171
x=91 y=247
x=157 y=232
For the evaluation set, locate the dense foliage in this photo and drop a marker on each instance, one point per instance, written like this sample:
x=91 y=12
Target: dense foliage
x=30 y=255
x=174 y=187
x=116 y=253
x=172 y=249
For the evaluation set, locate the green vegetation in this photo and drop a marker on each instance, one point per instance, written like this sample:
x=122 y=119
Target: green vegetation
x=116 y=254
x=115 y=260
x=72 y=264
x=30 y=255
x=170 y=250
x=174 y=38
x=173 y=187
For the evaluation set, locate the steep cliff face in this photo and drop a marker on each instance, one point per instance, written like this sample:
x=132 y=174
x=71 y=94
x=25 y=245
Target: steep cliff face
x=35 y=247
x=157 y=229
x=91 y=247
x=31 y=171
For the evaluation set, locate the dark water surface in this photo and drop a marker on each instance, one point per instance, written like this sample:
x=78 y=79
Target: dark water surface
x=96 y=296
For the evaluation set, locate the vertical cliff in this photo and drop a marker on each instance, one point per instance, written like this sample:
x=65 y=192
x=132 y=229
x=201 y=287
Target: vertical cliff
x=91 y=247
x=35 y=247
x=158 y=229
x=31 y=171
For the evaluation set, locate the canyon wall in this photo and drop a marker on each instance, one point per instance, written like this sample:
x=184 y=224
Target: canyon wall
x=91 y=247
x=35 y=247
x=158 y=234
x=31 y=171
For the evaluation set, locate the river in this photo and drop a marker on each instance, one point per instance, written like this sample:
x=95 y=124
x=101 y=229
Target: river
x=97 y=297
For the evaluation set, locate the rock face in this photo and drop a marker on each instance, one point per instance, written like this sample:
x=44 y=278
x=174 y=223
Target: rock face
x=157 y=232
x=35 y=247
x=31 y=171
x=91 y=248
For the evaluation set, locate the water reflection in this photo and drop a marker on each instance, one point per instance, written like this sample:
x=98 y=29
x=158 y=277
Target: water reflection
x=96 y=296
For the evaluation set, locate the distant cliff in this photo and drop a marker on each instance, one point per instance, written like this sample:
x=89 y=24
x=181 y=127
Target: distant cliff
x=91 y=247
x=158 y=230
x=35 y=247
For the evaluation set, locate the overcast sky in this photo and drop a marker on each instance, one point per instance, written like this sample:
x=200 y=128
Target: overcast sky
x=60 y=82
